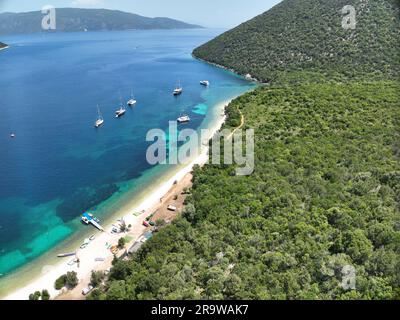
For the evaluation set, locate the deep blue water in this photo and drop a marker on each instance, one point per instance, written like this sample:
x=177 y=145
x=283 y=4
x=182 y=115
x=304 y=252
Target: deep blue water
x=59 y=165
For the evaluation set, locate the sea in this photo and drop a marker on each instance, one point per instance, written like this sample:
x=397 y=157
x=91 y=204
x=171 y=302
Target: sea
x=57 y=165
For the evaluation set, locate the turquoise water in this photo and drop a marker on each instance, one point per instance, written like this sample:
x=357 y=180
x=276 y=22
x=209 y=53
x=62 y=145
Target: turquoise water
x=59 y=166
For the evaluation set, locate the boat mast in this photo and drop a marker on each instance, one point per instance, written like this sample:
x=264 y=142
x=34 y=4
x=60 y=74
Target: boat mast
x=99 y=113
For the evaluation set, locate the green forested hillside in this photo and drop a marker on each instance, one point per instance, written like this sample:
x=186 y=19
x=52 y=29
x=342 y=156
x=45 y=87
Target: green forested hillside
x=325 y=193
x=307 y=35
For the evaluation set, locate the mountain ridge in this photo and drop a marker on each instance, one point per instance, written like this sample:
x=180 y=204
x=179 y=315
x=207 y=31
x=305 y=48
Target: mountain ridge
x=308 y=35
x=76 y=19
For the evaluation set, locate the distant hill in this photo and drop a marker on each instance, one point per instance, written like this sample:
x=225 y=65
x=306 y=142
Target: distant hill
x=2 y=45
x=308 y=35
x=73 y=19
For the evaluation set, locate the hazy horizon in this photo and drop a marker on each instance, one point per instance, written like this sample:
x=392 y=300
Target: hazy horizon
x=207 y=13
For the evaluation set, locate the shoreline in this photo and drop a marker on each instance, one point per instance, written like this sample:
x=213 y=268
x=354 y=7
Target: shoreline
x=251 y=78
x=98 y=247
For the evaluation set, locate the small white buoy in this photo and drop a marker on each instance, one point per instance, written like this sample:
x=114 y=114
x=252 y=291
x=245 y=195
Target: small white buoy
x=12 y=135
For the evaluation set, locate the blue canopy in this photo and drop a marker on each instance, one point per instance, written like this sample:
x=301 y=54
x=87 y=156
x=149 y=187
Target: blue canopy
x=87 y=216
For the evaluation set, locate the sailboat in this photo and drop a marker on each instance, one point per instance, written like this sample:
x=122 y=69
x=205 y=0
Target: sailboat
x=99 y=122
x=120 y=112
x=183 y=119
x=178 y=90
x=205 y=83
x=131 y=102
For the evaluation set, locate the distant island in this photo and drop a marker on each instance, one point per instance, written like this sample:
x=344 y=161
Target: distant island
x=73 y=20
x=3 y=46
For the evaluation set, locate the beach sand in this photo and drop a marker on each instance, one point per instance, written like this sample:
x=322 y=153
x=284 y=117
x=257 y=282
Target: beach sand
x=159 y=198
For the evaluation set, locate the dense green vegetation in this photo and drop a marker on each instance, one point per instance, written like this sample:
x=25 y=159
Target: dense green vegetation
x=325 y=193
x=69 y=280
x=308 y=35
x=37 y=295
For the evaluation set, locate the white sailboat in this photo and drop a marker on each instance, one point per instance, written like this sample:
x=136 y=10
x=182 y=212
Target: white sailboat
x=121 y=111
x=99 y=122
x=178 y=90
x=131 y=102
x=183 y=119
x=205 y=83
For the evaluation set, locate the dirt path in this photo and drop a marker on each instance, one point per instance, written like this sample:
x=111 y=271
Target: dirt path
x=240 y=126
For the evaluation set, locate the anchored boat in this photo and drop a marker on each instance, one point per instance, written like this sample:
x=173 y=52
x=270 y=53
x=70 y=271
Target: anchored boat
x=120 y=112
x=183 y=119
x=131 y=102
x=99 y=122
x=178 y=90
x=205 y=83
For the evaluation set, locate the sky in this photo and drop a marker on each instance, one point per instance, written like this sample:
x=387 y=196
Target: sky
x=208 y=13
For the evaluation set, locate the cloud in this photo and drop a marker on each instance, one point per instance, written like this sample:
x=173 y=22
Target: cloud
x=86 y=3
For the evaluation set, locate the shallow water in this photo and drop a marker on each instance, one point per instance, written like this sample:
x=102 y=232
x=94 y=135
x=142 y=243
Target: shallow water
x=58 y=165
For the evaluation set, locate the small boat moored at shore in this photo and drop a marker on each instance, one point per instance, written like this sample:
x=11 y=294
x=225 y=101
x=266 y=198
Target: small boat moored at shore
x=73 y=261
x=64 y=255
x=85 y=244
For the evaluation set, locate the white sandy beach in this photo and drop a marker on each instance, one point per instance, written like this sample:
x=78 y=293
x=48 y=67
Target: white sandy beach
x=98 y=248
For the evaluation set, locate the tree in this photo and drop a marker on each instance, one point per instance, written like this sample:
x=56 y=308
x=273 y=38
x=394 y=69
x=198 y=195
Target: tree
x=123 y=226
x=60 y=282
x=35 y=296
x=96 y=278
x=96 y=294
x=357 y=245
x=120 y=270
x=121 y=243
x=189 y=212
x=71 y=280
x=160 y=222
x=117 y=291
x=45 y=295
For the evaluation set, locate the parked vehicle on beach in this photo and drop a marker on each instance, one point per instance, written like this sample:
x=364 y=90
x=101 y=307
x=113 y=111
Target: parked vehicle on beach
x=87 y=290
